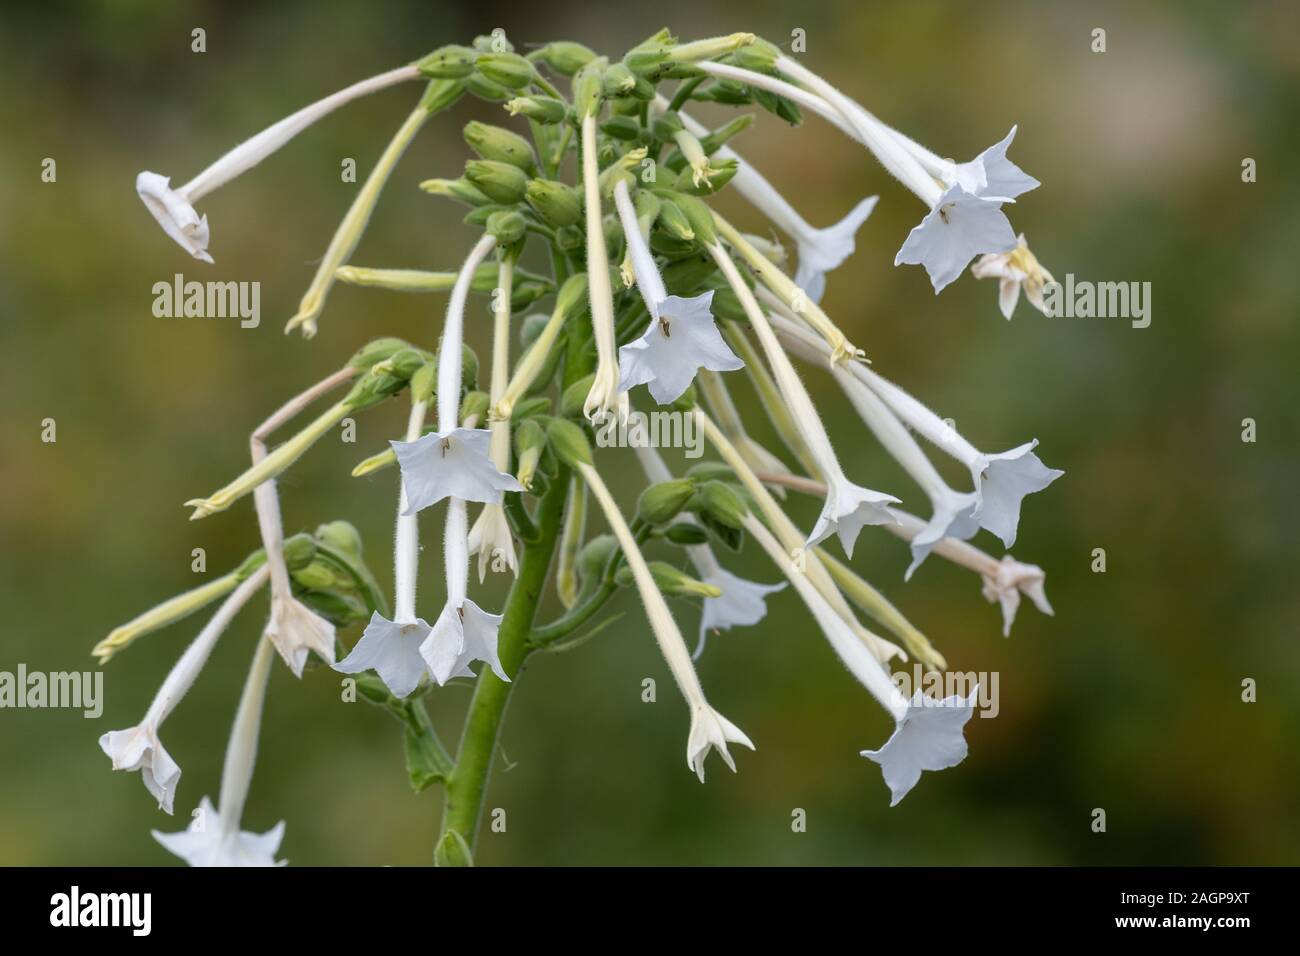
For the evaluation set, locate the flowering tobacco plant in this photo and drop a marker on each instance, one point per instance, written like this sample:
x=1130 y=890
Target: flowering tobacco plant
x=647 y=285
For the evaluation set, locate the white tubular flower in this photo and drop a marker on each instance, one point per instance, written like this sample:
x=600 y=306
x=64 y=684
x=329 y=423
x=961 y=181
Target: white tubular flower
x=138 y=747
x=992 y=175
x=959 y=227
x=742 y=603
x=953 y=510
x=605 y=396
x=392 y=648
x=820 y=250
x=709 y=729
x=1003 y=582
x=681 y=338
x=490 y=536
x=464 y=632
x=1001 y=480
x=848 y=506
x=453 y=462
x=215 y=839
x=174 y=208
x=1014 y=270
x=927 y=733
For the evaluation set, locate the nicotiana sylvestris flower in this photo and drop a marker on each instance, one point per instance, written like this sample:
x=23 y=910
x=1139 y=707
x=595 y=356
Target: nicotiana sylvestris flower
x=960 y=227
x=1014 y=270
x=464 y=632
x=742 y=603
x=848 y=507
x=681 y=338
x=453 y=462
x=709 y=729
x=1001 y=480
x=138 y=747
x=215 y=839
x=927 y=733
x=1003 y=582
x=953 y=511
x=392 y=648
x=174 y=208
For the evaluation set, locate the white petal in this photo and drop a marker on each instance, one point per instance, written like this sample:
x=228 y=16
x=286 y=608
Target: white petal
x=174 y=213
x=392 y=651
x=1011 y=581
x=138 y=748
x=848 y=507
x=994 y=175
x=959 y=228
x=711 y=731
x=205 y=843
x=667 y=361
x=296 y=630
x=741 y=604
x=1002 y=481
x=822 y=250
x=928 y=737
x=953 y=518
x=453 y=464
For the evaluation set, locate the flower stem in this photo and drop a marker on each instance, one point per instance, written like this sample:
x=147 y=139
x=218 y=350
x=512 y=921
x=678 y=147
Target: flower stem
x=463 y=802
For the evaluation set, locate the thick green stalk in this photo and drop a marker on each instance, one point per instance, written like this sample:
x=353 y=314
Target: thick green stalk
x=463 y=804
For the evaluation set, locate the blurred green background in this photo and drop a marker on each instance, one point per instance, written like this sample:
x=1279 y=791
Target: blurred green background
x=1129 y=699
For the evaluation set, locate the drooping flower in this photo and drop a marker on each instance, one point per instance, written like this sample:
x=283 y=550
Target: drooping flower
x=927 y=734
x=215 y=839
x=454 y=464
x=991 y=174
x=681 y=338
x=138 y=747
x=174 y=208
x=960 y=227
x=491 y=540
x=1014 y=270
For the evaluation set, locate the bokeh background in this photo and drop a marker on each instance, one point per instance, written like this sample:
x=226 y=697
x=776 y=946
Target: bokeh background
x=1129 y=699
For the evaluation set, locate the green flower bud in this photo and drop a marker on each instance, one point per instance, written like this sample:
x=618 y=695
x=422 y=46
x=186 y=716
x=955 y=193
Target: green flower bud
x=711 y=471
x=720 y=502
x=686 y=533
x=732 y=128
x=618 y=80
x=337 y=608
x=759 y=56
x=500 y=182
x=726 y=305
x=530 y=328
x=299 y=550
x=249 y=565
x=564 y=56
x=556 y=202
x=650 y=55
x=788 y=110
x=699 y=215
x=666 y=126
x=342 y=536
x=571 y=241
x=572 y=298
x=674 y=222
x=530 y=408
x=595 y=555
x=503 y=145
x=441 y=94
x=587 y=87
x=479 y=217
x=475 y=405
x=728 y=92
x=544 y=109
x=449 y=62
x=318 y=576
x=575 y=396
x=625 y=128
x=626 y=106
x=507 y=227
x=385 y=378
x=494 y=42
x=376 y=350
x=424 y=382
x=662 y=502
x=614 y=237
x=721 y=172
x=486 y=89
x=376 y=462
x=461 y=189
x=665 y=245
x=683 y=276
x=508 y=69
x=530 y=441
x=569 y=442
x=527 y=292
x=670 y=581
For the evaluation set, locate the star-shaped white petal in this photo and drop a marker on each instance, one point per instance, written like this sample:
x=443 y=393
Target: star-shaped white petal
x=711 y=731
x=205 y=843
x=296 y=630
x=175 y=214
x=928 y=737
x=138 y=748
x=461 y=635
x=954 y=517
x=822 y=250
x=1012 y=580
x=490 y=539
x=451 y=464
x=682 y=339
x=847 y=509
x=992 y=175
x=1002 y=481
x=1015 y=269
x=391 y=650
x=960 y=227
x=741 y=604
